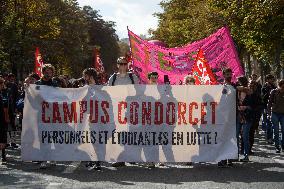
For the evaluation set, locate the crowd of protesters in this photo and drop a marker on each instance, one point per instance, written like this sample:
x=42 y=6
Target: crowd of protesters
x=254 y=102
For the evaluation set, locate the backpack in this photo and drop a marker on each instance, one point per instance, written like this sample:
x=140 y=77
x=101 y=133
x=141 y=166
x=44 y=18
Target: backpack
x=274 y=93
x=114 y=78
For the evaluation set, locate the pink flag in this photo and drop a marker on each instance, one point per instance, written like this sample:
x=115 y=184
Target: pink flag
x=219 y=51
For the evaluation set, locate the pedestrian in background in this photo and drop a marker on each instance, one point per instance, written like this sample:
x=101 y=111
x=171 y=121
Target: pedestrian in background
x=244 y=116
x=3 y=123
x=275 y=109
x=266 y=122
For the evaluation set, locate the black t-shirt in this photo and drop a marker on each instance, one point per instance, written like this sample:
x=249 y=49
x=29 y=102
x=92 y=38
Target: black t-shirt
x=48 y=82
x=3 y=125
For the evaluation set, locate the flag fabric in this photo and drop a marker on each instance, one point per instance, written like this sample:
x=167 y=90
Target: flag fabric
x=129 y=60
x=177 y=62
x=201 y=71
x=38 y=62
x=97 y=62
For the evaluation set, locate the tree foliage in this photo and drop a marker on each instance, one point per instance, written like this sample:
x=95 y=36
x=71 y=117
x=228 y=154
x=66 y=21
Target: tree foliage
x=65 y=33
x=257 y=26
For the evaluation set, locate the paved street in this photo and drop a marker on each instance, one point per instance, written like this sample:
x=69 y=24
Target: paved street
x=266 y=170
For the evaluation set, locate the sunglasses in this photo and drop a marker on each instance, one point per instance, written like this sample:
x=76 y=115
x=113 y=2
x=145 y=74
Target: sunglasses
x=123 y=64
x=154 y=77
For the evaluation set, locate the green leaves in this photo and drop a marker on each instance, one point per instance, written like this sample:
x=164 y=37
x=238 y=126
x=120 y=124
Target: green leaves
x=65 y=33
x=256 y=26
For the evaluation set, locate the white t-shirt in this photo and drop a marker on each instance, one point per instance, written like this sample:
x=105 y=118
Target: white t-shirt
x=123 y=80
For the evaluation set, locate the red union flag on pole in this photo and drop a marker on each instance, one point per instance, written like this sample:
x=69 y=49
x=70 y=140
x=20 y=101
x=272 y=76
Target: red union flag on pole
x=97 y=62
x=38 y=62
x=201 y=71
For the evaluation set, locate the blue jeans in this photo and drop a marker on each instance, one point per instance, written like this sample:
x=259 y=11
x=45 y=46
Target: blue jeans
x=245 y=127
x=276 y=119
x=267 y=125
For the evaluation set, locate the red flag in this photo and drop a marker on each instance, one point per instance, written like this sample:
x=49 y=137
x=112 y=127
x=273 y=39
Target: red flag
x=201 y=71
x=38 y=62
x=97 y=63
x=128 y=57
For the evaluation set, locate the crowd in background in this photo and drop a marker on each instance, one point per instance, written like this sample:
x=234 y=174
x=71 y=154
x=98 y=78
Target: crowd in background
x=255 y=103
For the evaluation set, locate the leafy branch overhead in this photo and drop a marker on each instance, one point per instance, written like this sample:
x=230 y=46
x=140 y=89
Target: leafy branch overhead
x=65 y=33
x=256 y=26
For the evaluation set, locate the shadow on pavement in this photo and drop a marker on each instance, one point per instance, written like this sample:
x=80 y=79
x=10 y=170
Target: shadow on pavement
x=171 y=174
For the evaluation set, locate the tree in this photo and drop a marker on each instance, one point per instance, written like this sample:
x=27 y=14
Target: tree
x=256 y=26
x=102 y=34
x=123 y=48
x=183 y=21
x=65 y=33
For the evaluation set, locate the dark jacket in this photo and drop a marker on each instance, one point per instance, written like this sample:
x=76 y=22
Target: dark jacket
x=48 y=83
x=247 y=114
x=276 y=101
x=266 y=89
x=3 y=125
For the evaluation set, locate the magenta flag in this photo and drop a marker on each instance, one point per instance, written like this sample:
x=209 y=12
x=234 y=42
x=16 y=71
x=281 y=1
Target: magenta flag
x=219 y=51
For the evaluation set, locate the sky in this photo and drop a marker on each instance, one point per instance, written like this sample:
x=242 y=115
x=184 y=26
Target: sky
x=136 y=14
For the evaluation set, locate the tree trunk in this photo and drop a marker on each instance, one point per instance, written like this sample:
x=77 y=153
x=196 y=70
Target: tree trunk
x=278 y=67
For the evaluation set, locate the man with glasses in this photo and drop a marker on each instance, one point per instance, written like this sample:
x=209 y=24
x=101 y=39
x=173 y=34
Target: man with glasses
x=122 y=77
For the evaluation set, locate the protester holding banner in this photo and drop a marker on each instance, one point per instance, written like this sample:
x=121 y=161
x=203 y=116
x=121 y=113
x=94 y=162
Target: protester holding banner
x=3 y=123
x=122 y=78
x=33 y=78
x=90 y=77
x=189 y=80
x=228 y=75
x=275 y=109
x=153 y=80
x=48 y=72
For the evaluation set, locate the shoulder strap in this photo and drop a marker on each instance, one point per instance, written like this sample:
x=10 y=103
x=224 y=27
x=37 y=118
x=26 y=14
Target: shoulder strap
x=113 y=79
x=131 y=78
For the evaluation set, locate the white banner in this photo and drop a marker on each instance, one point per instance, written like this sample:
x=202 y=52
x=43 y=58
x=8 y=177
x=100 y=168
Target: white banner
x=131 y=123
